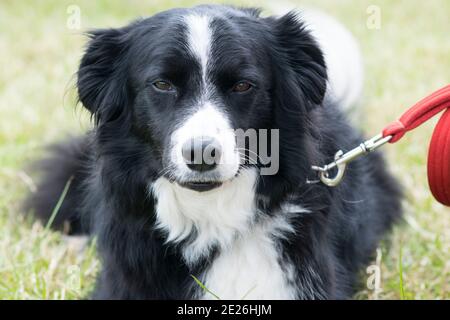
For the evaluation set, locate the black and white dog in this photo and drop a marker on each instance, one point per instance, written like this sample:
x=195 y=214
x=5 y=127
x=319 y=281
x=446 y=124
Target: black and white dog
x=160 y=83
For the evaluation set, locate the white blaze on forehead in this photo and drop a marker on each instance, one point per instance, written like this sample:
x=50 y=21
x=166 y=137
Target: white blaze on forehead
x=199 y=39
x=207 y=120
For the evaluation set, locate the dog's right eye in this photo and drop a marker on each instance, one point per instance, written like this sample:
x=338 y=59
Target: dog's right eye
x=163 y=85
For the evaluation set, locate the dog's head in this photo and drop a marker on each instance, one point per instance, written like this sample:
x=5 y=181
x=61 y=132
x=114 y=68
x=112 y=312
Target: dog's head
x=178 y=85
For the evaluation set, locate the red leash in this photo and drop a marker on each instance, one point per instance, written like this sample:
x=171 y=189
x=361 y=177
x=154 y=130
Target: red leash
x=439 y=151
x=438 y=154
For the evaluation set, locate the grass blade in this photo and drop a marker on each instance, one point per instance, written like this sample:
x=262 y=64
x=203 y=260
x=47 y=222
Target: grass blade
x=248 y=292
x=59 y=203
x=204 y=287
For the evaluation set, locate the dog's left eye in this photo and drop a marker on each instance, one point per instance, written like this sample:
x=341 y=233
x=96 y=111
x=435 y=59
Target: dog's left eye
x=163 y=85
x=242 y=86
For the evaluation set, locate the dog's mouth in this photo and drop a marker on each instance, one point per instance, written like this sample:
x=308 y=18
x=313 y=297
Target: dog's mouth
x=201 y=186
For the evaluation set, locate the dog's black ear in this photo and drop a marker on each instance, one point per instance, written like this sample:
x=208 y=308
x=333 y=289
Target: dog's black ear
x=101 y=79
x=304 y=56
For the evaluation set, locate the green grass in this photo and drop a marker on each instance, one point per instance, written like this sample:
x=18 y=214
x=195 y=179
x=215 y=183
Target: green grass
x=407 y=58
x=204 y=288
x=59 y=204
x=400 y=274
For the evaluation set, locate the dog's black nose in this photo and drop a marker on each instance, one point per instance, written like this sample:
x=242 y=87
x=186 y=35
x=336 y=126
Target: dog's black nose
x=201 y=153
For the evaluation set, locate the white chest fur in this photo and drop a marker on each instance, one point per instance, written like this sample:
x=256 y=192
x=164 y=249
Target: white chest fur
x=251 y=268
x=248 y=261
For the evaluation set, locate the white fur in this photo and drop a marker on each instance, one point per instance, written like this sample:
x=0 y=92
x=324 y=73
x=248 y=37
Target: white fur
x=248 y=264
x=250 y=268
x=206 y=121
x=218 y=215
x=199 y=39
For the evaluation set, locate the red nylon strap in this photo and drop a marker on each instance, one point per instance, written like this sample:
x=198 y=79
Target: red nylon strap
x=439 y=151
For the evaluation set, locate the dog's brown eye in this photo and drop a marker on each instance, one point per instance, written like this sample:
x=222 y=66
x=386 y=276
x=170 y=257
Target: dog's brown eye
x=163 y=85
x=242 y=86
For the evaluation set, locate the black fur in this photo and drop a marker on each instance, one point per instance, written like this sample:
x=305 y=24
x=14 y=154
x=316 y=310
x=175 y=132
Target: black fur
x=113 y=165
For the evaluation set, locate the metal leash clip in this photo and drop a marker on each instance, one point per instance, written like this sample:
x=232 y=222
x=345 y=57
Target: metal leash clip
x=341 y=160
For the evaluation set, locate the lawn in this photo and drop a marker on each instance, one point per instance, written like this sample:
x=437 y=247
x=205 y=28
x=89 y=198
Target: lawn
x=407 y=57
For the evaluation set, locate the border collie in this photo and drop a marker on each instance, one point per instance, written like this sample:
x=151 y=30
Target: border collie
x=161 y=214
